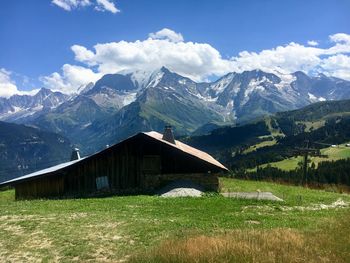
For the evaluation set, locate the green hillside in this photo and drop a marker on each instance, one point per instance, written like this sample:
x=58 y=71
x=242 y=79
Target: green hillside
x=274 y=138
x=117 y=229
x=25 y=149
x=329 y=153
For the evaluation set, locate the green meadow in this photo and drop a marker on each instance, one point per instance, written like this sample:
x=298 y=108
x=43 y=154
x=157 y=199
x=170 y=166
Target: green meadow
x=329 y=154
x=148 y=228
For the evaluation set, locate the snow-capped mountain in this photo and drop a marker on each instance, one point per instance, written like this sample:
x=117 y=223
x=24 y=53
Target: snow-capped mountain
x=253 y=93
x=21 y=108
x=121 y=104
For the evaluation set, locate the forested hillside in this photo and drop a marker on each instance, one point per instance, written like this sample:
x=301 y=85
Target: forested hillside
x=276 y=137
x=25 y=149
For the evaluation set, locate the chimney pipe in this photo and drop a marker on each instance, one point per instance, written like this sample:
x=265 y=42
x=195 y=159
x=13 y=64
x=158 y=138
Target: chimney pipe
x=75 y=155
x=168 y=134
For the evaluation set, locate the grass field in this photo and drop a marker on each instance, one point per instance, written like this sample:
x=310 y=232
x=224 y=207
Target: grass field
x=312 y=125
x=132 y=228
x=333 y=154
x=259 y=145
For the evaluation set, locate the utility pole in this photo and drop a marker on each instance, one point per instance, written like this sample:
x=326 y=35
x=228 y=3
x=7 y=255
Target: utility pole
x=305 y=152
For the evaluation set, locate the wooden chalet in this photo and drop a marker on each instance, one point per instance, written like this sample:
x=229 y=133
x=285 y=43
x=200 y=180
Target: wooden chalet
x=139 y=164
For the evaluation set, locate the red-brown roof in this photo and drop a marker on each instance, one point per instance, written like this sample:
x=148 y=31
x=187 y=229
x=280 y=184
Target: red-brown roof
x=155 y=135
x=187 y=149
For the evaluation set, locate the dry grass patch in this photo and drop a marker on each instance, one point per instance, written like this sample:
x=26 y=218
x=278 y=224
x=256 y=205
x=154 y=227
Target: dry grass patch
x=329 y=244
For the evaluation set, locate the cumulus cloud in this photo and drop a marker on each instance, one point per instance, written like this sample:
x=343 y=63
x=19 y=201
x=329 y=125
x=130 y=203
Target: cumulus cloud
x=83 y=54
x=71 y=79
x=8 y=86
x=167 y=33
x=337 y=66
x=99 y=5
x=195 y=60
x=288 y=58
x=198 y=61
x=312 y=43
x=340 y=38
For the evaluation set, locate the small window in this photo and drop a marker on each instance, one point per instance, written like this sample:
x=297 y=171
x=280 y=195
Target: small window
x=102 y=183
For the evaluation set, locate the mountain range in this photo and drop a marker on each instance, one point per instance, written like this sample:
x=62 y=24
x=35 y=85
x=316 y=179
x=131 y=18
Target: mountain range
x=119 y=105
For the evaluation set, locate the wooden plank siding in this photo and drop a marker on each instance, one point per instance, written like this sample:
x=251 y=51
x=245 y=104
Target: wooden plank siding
x=127 y=165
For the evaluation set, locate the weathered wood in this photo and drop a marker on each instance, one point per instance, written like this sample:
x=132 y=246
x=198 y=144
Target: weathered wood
x=139 y=164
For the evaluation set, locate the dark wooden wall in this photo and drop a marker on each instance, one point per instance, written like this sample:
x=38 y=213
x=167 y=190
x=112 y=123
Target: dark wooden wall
x=126 y=165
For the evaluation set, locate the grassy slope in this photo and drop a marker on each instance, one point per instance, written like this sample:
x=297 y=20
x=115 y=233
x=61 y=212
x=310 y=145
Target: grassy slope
x=259 y=145
x=108 y=229
x=333 y=153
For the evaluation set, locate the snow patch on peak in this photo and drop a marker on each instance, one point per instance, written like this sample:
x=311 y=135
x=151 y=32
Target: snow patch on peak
x=129 y=98
x=313 y=98
x=222 y=83
x=142 y=78
x=155 y=79
x=255 y=85
x=182 y=81
x=286 y=80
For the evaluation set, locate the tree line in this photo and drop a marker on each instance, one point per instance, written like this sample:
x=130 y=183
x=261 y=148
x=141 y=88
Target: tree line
x=329 y=172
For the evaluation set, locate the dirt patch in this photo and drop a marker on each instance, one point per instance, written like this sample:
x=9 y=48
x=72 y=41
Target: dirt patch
x=253 y=195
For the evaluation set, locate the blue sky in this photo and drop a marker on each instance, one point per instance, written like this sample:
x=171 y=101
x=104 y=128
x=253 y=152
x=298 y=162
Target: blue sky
x=38 y=36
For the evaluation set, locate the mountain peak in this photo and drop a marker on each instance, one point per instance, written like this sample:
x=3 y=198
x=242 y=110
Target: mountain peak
x=322 y=76
x=165 y=69
x=44 y=91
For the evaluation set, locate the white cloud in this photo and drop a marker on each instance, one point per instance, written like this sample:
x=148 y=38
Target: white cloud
x=195 y=60
x=106 y=5
x=83 y=54
x=289 y=58
x=99 y=5
x=342 y=44
x=8 y=86
x=337 y=66
x=166 y=33
x=312 y=43
x=72 y=78
x=340 y=38
x=69 y=5
x=198 y=61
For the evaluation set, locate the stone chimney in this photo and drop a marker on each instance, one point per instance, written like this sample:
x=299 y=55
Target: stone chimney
x=75 y=154
x=168 y=134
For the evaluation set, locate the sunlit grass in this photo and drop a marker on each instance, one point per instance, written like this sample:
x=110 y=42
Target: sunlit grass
x=330 y=153
x=260 y=145
x=116 y=228
x=329 y=243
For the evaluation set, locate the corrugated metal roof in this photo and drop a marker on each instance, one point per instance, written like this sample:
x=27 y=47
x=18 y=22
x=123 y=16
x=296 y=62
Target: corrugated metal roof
x=155 y=135
x=42 y=172
x=186 y=148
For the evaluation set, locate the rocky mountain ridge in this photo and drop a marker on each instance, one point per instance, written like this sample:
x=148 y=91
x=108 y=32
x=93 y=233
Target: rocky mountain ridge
x=120 y=104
